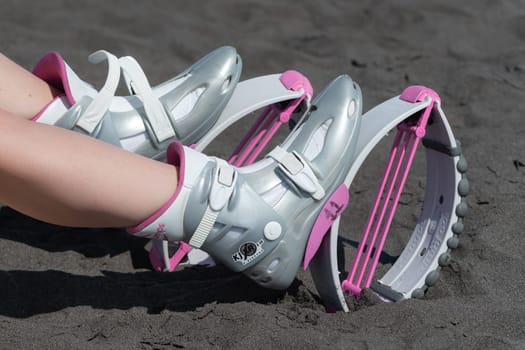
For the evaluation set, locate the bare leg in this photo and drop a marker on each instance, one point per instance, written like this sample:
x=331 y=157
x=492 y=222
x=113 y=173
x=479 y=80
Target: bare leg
x=21 y=92
x=66 y=178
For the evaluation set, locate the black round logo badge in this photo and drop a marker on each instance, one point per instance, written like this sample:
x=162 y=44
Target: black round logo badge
x=248 y=249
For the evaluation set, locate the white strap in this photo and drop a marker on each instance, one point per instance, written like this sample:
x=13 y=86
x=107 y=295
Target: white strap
x=137 y=81
x=135 y=77
x=224 y=179
x=298 y=170
x=94 y=113
x=204 y=228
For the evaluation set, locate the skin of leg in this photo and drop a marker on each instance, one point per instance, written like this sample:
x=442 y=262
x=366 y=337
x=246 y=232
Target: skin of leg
x=21 y=92
x=65 y=178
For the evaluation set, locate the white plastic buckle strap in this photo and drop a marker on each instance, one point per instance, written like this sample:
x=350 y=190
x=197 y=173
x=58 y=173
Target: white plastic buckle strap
x=298 y=170
x=138 y=82
x=94 y=113
x=224 y=179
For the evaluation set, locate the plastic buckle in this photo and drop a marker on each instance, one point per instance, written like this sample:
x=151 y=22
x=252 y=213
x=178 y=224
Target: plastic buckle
x=224 y=179
x=222 y=185
x=298 y=170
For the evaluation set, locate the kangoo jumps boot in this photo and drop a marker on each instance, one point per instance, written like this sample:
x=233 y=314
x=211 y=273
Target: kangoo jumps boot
x=182 y=109
x=257 y=219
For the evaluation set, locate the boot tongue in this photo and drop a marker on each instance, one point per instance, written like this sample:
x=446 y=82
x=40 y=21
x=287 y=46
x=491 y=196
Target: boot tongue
x=55 y=71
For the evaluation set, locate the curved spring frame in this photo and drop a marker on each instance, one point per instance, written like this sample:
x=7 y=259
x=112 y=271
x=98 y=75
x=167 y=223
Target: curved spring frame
x=383 y=210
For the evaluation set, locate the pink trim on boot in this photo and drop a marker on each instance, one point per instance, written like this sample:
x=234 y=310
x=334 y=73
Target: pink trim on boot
x=175 y=157
x=35 y=118
x=333 y=207
x=52 y=69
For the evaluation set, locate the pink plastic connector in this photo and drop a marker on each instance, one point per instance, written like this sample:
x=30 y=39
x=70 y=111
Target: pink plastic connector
x=332 y=209
x=181 y=252
x=384 y=208
x=157 y=262
x=155 y=259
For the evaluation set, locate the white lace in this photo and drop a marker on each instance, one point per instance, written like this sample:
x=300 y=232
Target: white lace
x=138 y=83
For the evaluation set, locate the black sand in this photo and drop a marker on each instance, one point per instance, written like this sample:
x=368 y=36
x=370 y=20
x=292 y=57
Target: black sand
x=91 y=289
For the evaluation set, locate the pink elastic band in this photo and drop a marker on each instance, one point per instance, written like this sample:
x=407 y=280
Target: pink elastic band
x=52 y=69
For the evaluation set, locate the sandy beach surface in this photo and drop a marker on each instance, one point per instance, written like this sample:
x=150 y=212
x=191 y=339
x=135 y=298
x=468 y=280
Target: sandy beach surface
x=63 y=288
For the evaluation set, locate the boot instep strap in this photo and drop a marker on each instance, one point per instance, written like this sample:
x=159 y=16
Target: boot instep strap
x=298 y=170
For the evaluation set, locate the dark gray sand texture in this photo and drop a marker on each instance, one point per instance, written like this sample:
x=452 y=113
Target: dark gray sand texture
x=91 y=289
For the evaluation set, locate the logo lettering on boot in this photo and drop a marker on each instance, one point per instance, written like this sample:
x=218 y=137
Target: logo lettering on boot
x=248 y=251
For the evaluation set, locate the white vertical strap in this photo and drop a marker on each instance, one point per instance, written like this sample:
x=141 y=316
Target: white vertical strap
x=224 y=179
x=204 y=228
x=94 y=113
x=155 y=112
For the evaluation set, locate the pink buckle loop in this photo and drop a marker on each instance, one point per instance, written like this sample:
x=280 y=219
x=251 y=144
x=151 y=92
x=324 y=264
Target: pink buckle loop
x=385 y=204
